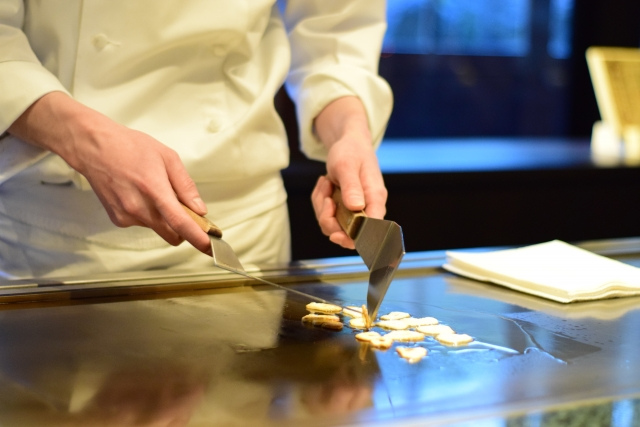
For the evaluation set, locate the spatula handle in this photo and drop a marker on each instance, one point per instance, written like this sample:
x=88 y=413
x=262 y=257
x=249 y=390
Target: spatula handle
x=348 y=220
x=205 y=224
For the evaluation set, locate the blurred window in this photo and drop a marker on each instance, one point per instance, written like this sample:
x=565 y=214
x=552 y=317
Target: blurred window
x=460 y=27
x=478 y=67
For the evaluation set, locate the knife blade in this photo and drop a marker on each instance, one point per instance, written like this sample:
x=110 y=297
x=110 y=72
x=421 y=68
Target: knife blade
x=225 y=257
x=380 y=244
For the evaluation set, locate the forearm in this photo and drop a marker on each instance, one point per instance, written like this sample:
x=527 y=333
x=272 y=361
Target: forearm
x=342 y=117
x=351 y=165
x=328 y=64
x=343 y=129
x=56 y=122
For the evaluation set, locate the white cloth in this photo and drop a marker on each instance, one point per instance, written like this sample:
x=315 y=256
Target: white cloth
x=198 y=75
x=555 y=270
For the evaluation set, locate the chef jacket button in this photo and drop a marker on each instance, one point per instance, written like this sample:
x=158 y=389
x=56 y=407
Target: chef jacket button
x=213 y=126
x=101 y=41
x=218 y=50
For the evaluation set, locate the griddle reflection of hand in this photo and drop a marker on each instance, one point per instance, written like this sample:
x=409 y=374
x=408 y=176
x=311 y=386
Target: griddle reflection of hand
x=341 y=394
x=145 y=398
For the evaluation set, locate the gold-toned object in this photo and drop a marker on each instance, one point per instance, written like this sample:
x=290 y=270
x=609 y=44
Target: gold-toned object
x=615 y=74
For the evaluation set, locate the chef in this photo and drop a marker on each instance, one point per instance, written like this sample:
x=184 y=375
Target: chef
x=113 y=112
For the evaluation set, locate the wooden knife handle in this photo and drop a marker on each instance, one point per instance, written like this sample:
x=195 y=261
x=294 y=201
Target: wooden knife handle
x=348 y=220
x=205 y=224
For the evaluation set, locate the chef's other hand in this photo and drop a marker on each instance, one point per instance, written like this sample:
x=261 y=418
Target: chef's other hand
x=155 y=396
x=352 y=165
x=137 y=179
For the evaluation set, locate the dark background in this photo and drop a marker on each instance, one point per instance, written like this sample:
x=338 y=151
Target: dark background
x=449 y=96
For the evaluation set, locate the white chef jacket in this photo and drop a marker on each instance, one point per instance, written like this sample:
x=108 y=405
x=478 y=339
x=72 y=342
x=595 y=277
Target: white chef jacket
x=197 y=75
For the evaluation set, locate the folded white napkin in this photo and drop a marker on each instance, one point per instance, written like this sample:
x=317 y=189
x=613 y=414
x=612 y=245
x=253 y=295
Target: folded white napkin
x=555 y=270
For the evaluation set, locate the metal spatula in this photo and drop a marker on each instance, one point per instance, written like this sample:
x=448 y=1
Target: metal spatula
x=225 y=257
x=380 y=244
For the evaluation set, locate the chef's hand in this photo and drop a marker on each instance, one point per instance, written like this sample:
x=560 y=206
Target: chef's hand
x=352 y=165
x=138 y=179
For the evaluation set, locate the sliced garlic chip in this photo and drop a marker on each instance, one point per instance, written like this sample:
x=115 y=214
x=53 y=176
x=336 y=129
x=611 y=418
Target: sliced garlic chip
x=435 y=329
x=320 y=307
x=395 y=315
x=454 y=339
x=382 y=343
x=367 y=336
x=406 y=336
x=334 y=326
x=368 y=322
x=358 y=323
x=421 y=321
x=352 y=311
x=397 y=325
x=412 y=354
x=318 y=319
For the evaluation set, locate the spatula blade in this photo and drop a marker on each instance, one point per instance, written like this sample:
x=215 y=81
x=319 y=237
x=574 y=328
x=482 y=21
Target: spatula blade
x=381 y=245
x=224 y=256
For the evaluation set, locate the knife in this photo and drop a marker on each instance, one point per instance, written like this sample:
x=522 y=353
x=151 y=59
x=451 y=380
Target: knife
x=224 y=256
x=380 y=244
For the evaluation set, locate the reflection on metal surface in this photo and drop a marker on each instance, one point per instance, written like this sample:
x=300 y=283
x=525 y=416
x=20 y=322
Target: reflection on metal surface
x=239 y=355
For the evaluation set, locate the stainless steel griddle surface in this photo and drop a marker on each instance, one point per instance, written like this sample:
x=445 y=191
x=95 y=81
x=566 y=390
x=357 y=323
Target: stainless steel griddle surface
x=239 y=355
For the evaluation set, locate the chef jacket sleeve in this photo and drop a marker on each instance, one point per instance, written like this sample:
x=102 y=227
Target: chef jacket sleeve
x=24 y=79
x=335 y=47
